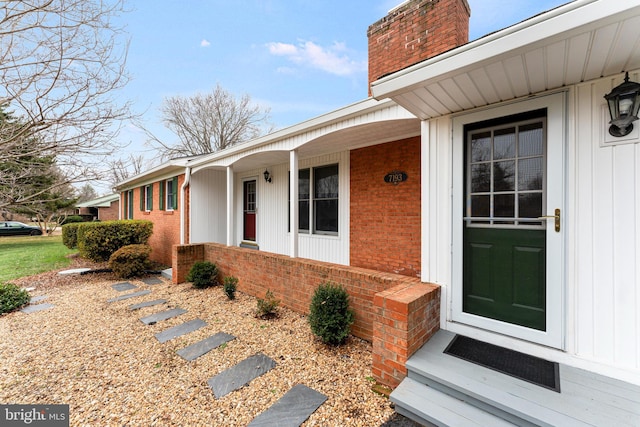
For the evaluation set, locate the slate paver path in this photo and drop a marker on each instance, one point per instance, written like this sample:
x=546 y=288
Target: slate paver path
x=124 y=286
x=240 y=375
x=151 y=281
x=292 y=409
x=147 y=304
x=200 y=348
x=131 y=295
x=163 y=315
x=38 y=299
x=179 y=330
x=36 y=307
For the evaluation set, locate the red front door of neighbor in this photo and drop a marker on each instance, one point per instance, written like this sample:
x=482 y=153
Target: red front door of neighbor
x=249 y=210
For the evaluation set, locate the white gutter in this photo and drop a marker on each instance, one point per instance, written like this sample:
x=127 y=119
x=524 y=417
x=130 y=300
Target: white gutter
x=183 y=192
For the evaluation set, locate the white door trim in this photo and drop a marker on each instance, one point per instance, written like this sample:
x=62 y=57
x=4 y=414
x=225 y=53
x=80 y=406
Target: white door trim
x=556 y=163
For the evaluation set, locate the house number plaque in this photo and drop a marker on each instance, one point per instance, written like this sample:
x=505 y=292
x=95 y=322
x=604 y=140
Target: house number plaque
x=395 y=177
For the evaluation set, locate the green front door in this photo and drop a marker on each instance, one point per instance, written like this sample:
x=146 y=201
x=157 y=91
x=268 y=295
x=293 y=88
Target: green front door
x=504 y=239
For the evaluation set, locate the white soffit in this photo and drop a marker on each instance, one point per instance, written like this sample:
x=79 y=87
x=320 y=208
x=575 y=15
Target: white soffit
x=580 y=41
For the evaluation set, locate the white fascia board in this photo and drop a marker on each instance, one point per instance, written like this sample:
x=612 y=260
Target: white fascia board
x=355 y=109
x=164 y=171
x=547 y=25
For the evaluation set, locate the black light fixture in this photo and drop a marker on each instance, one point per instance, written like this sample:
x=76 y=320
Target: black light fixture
x=267 y=175
x=624 y=102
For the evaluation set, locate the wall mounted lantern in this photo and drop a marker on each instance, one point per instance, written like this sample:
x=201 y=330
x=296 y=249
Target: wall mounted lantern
x=624 y=102
x=267 y=175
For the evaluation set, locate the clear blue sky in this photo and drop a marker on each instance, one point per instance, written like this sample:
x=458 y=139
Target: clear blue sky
x=301 y=58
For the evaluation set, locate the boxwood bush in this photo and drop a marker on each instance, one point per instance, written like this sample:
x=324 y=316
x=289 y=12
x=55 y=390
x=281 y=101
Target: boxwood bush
x=70 y=235
x=330 y=317
x=97 y=241
x=12 y=297
x=130 y=261
x=203 y=274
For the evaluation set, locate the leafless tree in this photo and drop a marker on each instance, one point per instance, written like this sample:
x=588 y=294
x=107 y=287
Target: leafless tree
x=60 y=63
x=209 y=122
x=121 y=169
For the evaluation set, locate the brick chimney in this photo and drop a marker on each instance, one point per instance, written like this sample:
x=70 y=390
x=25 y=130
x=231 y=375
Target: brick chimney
x=414 y=31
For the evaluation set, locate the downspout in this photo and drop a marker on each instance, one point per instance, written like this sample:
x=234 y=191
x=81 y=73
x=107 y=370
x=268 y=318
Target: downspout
x=183 y=191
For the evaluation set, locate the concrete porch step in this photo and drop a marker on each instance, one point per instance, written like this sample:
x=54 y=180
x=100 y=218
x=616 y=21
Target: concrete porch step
x=585 y=398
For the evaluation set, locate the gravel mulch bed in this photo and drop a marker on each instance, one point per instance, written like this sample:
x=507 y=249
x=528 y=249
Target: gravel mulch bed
x=99 y=358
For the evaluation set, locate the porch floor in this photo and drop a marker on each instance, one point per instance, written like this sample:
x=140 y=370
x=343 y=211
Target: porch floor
x=445 y=390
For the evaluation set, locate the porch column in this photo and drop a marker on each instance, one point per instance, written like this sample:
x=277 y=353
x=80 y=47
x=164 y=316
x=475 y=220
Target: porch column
x=293 y=206
x=230 y=206
x=425 y=171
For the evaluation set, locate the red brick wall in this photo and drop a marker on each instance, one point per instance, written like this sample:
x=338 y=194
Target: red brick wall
x=414 y=32
x=110 y=213
x=385 y=218
x=397 y=313
x=166 y=223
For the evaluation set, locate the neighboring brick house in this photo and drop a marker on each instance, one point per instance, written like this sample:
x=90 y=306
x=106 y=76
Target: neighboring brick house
x=105 y=208
x=477 y=191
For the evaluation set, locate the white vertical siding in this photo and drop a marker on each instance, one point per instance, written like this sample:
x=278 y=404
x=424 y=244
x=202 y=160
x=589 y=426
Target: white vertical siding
x=208 y=206
x=606 y=235
x=273 y=215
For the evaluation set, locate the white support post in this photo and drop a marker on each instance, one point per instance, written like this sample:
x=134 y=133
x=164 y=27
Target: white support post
x=294 y=208
x=230 y=199
x=425 y=172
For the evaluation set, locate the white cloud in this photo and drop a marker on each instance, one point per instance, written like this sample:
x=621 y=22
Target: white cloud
x=333 y=59
x=205 y=43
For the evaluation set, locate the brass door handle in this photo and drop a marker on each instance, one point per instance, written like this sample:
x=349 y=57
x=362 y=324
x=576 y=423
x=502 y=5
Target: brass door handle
x=556 y=218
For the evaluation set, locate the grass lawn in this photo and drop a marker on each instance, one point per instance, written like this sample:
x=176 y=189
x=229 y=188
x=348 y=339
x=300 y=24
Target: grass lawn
x=23 y=256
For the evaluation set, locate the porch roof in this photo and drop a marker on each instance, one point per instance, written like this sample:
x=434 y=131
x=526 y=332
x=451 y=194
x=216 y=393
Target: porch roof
x=576 y=42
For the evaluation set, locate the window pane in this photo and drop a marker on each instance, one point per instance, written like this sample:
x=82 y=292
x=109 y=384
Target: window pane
x=480 y=206
x=504 y=206
x=530 y=174
x=481 y=147
x=303 y=184
x=303 y=215
x=530 y=140
x=504 y=143
x=481 y=178
x=326 y=215
x=326 y=182
x=504 y=176
x=530 y=205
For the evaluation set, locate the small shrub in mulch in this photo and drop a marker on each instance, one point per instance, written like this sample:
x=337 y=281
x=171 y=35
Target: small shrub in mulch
x=130 y=261
x=268 y=307
x=229 y=286
x=203 y=274
x=12 y=297
x=330 y=317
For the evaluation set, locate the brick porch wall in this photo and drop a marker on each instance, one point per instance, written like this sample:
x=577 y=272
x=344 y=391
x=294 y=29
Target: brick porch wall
x=397 y=313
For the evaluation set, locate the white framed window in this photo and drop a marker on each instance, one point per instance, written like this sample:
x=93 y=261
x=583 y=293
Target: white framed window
x=318 y=200
x=170 y=198
x=148 y=197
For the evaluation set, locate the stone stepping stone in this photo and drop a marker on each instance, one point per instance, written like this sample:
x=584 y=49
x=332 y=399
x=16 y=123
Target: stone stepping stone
x=200 y=348
x=124 y=286
x=147 y=304
x=240 y=375
x=292 y=409
x=131 y=295
x=152 y=281
x=37 y=299
x=177 y=331
x=163 y=315
x=36 y=307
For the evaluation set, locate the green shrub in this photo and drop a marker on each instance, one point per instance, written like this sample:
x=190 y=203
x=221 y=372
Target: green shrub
x=12 y=297
x=268 y=307
x=229 y=286
x=130 y=261
x=72 y=219
x=70 y=235
x=330 y=317
x=98 y=240
x=203 y=274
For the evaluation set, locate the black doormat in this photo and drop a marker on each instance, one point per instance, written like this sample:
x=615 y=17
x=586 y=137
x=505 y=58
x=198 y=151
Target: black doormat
x=523 y=366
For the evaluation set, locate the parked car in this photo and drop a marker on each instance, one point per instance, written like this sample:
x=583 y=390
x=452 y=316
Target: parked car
x=15 y=228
